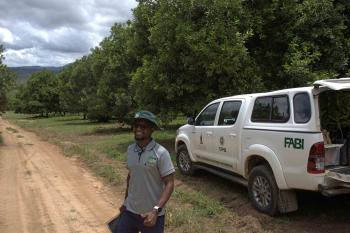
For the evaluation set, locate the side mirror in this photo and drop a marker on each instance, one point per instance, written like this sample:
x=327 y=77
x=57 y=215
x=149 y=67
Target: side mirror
x=190 y=120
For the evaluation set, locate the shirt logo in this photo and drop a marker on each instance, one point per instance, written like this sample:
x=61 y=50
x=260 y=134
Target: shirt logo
x=151 y=160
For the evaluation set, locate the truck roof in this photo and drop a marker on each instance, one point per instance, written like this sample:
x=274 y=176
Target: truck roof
x=318 y=87
x=283 y=91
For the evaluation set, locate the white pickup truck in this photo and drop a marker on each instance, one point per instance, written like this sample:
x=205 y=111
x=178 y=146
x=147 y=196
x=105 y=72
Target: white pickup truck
x=274 y=143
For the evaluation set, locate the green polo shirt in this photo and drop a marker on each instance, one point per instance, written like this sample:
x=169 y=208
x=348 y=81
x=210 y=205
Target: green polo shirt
x=146 y=168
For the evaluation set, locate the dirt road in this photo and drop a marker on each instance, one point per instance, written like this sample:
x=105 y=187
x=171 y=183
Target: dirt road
x=43 y=191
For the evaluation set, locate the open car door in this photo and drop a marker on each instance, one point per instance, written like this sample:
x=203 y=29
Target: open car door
x=331 y=84
x=337 y=177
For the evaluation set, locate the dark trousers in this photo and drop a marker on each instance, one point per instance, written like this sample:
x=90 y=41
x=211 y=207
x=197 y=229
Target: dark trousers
x=133 y=223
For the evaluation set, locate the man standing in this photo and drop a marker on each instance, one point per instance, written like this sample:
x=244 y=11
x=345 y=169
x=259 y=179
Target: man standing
x=150 y=181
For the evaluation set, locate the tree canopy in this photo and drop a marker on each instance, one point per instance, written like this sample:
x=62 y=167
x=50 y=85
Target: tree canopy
x=6 y=81
x=40 y=94
x=175 y=56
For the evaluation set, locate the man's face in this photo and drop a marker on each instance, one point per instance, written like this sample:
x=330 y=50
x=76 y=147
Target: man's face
x=142 y=129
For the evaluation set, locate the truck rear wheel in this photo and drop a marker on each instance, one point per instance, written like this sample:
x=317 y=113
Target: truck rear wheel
x=184 y=162
x=263 y=190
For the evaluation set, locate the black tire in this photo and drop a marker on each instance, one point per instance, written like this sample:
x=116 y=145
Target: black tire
x=184 y=162
x=263 y=190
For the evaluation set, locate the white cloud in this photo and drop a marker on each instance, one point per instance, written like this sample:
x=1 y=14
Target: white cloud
x=6 y=35
x=50 y=32
x=32 y=56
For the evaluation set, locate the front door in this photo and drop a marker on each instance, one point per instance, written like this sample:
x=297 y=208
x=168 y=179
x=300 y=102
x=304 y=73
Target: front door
x=225 y=143
x=203 y=132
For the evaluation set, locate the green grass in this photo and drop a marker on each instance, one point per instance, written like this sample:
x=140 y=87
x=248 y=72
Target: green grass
x=184 y=218
x=62 y=126
x=202 y=204
x=195 y=212
x=109 y=173
x=191 y=210
x=94 y=161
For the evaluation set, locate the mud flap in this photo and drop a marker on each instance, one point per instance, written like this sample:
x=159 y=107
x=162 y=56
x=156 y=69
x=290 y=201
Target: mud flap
x=287 y=201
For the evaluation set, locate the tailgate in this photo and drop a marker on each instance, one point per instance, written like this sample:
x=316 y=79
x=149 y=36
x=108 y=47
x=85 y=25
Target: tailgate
x=337 y=181
x=341 y=174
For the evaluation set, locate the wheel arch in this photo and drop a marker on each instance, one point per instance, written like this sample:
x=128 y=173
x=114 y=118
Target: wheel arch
x=260 y=154
x=184 y=140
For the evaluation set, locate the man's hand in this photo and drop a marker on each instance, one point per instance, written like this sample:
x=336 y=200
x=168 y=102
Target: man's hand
x=150 y=218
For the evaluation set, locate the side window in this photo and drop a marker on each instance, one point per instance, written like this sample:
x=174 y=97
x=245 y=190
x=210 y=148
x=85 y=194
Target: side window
x=271 y=109
x=280 y=109
x=207 y=117
x=262 y=109
x=302 y=108
x=229 y=112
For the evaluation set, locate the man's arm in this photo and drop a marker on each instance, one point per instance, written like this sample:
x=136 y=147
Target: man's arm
x=168 y=190
x=122 y=208
x=151 y=217
x=127 y=186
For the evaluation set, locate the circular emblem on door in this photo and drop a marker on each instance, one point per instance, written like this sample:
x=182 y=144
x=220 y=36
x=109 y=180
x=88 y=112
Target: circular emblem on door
x=222 y=141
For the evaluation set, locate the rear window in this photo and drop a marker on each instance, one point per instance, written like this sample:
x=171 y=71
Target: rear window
x=271 y=109
x=302 y=108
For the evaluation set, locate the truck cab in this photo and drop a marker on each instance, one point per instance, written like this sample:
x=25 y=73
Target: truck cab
x=274 y=143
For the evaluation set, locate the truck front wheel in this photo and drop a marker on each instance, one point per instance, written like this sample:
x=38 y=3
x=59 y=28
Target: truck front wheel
x=263 y=190
x=184 y=162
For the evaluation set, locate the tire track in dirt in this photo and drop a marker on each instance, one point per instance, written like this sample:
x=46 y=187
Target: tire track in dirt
x=43 y=191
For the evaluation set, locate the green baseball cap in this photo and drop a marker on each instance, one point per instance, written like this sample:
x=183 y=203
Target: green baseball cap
x=147 y=115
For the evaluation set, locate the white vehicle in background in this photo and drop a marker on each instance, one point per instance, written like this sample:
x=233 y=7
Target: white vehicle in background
x=274 y=143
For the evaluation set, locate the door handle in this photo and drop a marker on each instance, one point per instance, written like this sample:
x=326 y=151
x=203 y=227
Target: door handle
x=209 y=133
x=233 y=135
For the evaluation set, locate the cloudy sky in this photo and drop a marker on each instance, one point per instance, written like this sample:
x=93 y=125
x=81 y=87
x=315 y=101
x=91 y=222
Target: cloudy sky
x=56 y=32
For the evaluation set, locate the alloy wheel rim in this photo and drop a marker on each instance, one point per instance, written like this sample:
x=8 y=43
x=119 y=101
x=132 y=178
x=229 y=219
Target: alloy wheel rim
x=262 y=191
x=184 y=161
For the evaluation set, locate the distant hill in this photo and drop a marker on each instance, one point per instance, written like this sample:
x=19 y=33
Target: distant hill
x=24 y=72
